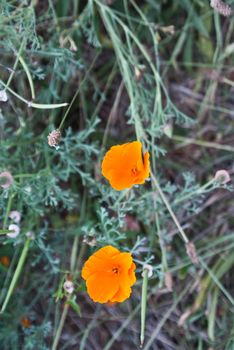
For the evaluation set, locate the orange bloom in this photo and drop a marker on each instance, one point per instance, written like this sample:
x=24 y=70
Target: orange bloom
x=5 y=261
x=25 y=322
x=109 y=275
x=124 y=167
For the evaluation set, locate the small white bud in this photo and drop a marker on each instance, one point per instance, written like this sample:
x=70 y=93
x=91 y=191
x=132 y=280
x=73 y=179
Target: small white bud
x=68 y=287
x=8 y=179
x=3 y=96
x=15 y=229
x=222 y=176
x=30 y=235
x=15 y=216
x=149 y=268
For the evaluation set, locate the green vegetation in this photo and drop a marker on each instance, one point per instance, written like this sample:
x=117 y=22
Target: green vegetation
x=105 y=72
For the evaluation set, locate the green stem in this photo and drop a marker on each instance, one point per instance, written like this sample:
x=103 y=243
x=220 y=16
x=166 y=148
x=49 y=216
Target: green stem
x=164 y=199
x=162 y=245
x=143 y=304
x=15 y=65
x=208 y=144
x=60 y=327
x=32 y=104
x=16 y=274
x=5 y=232
x=74 y=268
x=8 y=210
x=77 y=92
x=112 y=113
x=195 y=192
x=24 y=65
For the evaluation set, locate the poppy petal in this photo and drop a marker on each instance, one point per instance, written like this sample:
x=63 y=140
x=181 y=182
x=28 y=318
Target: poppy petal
x=122 y=294
x=102 y=289
x=99 y=261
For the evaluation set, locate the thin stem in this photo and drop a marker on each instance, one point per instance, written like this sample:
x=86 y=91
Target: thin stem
x=28 y=76
x=15 y=64
x=5 y=232
x=157 y=186
x=112 y=113
x=208 y=144
x=60 y=327
x=195 y=192
x=16 y=274
x=165 y=317
x=32 y=104
x=8 y=210
x=143 y=304
x=161 y=243
x=74 y=268
x=77 y=92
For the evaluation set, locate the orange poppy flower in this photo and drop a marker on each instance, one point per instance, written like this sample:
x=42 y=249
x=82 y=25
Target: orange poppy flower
x=25 y=322
x=109 y=275
x=5 y=261
x=124 y=167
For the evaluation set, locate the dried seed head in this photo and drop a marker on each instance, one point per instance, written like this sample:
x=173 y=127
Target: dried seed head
x=8 y=179
x=222 y=176
x=68 y=287
x=15 y=231
x=3 y=96
x=221 y=7
x=192 y=253
x=15 y=216
x=54 y=138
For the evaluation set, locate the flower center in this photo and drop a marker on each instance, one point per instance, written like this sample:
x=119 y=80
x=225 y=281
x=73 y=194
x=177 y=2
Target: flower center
x=115 y=270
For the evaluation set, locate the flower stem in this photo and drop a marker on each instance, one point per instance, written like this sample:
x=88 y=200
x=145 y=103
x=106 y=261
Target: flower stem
x=143 y=305
x=60 y=327
x=157 y=186
x=77 y=92
x=208 y=144
x=5 y=232
x=24 y=65
x=7 y=210
x=16 y=274
x=15 y=64
x=32 y=104
x=74 y=267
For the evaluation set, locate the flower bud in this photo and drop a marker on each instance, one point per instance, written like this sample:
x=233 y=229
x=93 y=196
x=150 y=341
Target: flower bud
x=15 y=216
x=68 y=287
x=3 y=96
x=149 y=268
x=7 y=179
x=222 y=176
x=15 y=229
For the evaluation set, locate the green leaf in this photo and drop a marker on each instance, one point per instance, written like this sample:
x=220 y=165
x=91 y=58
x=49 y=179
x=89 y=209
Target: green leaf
x=74 y=306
